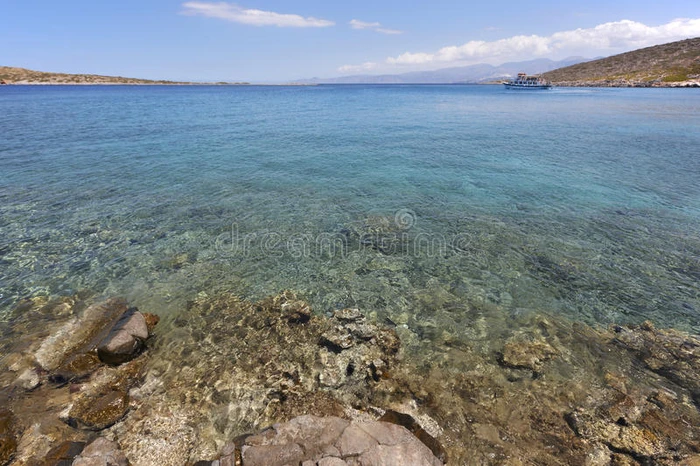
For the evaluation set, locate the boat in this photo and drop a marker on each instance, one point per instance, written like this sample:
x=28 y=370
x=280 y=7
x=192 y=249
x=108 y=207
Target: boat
x=524 y=81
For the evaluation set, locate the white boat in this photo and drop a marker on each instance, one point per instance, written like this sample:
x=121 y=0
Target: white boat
x=523 y=81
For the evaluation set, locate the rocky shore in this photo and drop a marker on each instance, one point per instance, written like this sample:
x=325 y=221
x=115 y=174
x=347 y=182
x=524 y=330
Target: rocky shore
x=228 y=381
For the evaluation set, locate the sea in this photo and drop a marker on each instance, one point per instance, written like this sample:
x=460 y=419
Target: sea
x=417 y=204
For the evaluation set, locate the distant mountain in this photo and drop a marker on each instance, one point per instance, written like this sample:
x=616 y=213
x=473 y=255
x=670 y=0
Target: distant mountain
x=674 y=64
x=463 y=74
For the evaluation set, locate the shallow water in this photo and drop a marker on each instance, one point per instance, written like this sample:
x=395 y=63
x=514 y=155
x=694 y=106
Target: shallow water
x=427 y=206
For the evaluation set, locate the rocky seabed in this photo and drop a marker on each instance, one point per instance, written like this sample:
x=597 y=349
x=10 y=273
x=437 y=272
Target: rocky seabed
x=271 y=383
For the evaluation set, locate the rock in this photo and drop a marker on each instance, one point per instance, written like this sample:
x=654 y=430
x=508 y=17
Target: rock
x=126 y=339
x=100 y=411
x=29 y=379
x=386 y=433
x=151 y=321
x=294 y=310
x=8 y=439
x=331 y=461
x=101 y=452
x=228 y=455
x=63 y=453
x=164 y=438
x=337 y=340
x=272 y=455
x=415 y=454
x=355 y=441
x=630 y=439
x=349 y=315
x=416 y=429
x=526 y=354
x=75 y=368
x=670 y=353
x=78 y=333
x=334 y=441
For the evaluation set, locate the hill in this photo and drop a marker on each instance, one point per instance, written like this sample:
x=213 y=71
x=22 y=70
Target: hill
x=10 y=75
x=455 y=75
x=676 y=64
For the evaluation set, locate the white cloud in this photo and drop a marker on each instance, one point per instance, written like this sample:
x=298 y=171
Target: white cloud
x=604 y=39
x=357 y=24
x=234 y=13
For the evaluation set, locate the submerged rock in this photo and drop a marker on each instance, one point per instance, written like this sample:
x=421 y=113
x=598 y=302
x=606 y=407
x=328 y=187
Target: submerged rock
x=82 y=391
x=29 y=379
x=101 y=452
x=100 y=411
x=75 y=368
x=63 y=454
x=526 y=354
x=670 y=353
x=8 y=439
x=163 y=438
x=126 y=339
x=241 y=365
x=78 y=334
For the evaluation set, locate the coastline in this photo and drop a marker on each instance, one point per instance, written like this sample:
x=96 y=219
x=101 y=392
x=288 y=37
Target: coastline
x=550 y=390
x=596 y=84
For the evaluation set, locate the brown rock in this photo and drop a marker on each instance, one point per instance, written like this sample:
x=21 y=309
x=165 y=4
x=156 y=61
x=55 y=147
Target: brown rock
x=349 y=315
x=670 y=353
x=63 y=453
x=78 y=335
x=526 y=354
x=99 y=412
x=126 y=339
x=8 y=439
x=337 y=340
x=151 y=321
x=75 y=368
x=29 y=379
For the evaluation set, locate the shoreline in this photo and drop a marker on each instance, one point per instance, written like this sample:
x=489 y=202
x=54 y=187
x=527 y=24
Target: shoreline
x=622 y=85
x=549 y=390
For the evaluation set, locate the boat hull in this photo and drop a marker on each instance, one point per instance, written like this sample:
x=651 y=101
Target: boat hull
x=524 y=86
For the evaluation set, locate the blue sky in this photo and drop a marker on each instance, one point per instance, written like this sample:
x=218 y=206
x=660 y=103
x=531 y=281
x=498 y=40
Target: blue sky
x=276 y=41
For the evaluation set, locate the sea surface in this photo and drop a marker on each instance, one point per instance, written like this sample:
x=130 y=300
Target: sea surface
x=425 y=206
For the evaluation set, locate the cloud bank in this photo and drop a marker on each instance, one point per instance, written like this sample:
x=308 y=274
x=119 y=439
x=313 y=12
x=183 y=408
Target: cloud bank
x=236 y=14
x=604 y=39
x=357 y=24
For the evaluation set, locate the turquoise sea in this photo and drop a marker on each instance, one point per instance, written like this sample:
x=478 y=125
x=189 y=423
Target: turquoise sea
x=421 y=205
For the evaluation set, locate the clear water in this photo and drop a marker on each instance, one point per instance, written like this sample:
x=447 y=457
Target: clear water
x=419 y=204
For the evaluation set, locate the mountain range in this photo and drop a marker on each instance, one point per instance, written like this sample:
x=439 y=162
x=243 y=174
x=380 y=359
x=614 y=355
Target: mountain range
x=456 y=75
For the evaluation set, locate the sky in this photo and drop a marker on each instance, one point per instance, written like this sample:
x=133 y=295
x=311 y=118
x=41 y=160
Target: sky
x=272 y=41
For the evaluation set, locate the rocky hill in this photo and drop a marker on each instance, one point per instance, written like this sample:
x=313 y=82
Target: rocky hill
x=676 y=64
x=10 y=75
